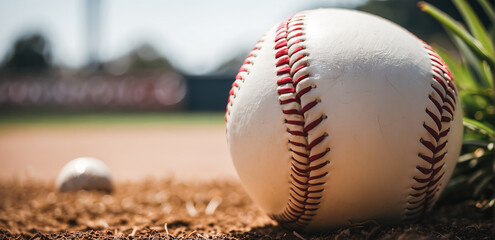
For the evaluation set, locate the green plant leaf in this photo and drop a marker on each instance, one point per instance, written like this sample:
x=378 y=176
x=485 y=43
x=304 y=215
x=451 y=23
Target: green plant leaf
x=478 y=126
x=471 y=59
x=488 y=10
x=474 y=24
x=478 y=175
x=466 y=157
x=457 y=29
x=487 y=74
x=475 y=143
x=482 y=93
x=482 y=185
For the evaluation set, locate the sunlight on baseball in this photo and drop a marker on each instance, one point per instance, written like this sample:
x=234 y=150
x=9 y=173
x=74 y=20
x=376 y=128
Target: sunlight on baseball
x=338 y=117
x=84 y=173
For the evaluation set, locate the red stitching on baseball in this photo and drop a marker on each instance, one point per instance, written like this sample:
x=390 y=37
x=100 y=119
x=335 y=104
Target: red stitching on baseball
x=283 y=61
x=286 y=101
x=292 y=111
x=312 y=125
x=297 y=133
x=281 y=43
x=300 y=123
x=300 y=78
x=297 y=34
x=444 y=133
x=299 y=153
x=450 y=103
x=286 y=90
x=317 y=177
x=299 y=170
x=437 y=104
x=299 y=173
x=431 y=131
x=317 y=140
x=438 y=92
x=302 y=92
x=303 y=202
x=297 y=181
x=299 y=188
x=282 y=52
x=308 y=106
x=441 y=113
x=446 y=108
x=283 y=70
x=240 y=77
x=305 y=191
x=284 y=80
x=318 y=156
x=297 y=49
x=298 y=162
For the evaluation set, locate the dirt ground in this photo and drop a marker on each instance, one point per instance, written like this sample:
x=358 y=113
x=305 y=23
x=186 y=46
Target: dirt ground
x=132 y=152
x=172 y=182
x=168 y=209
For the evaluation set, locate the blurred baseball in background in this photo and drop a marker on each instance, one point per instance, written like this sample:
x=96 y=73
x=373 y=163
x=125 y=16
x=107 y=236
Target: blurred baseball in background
x=84 y=173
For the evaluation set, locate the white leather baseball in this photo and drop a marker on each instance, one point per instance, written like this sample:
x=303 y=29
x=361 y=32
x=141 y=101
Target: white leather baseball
x=338 y=117
x=84 y=173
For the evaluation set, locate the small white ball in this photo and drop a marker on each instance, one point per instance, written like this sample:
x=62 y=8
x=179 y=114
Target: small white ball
x=84 y=173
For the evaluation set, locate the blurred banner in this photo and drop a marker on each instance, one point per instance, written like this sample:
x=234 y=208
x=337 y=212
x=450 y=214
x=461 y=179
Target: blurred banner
x=130 y=92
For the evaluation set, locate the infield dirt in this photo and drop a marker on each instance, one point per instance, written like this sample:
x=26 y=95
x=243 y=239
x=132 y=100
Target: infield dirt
x=198 y=196
x=168 y=209
x=132 y=152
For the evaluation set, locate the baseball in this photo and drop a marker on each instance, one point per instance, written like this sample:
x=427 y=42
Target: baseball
x=84 y=173
x=338 y=117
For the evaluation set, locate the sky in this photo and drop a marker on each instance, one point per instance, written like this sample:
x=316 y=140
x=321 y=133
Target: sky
x=195 y=35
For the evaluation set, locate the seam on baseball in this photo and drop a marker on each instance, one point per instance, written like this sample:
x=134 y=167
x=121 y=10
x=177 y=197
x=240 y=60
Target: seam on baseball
x=241 y=76
x=294 y=81
x=439 y=115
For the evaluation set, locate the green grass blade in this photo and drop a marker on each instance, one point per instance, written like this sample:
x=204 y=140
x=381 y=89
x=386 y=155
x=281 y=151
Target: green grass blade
x=472 y=61
x=474 y=24
x=460 y=72
x=487 y=74
x=475 y=143
x=477 y=176
x=482 y=185
x=481 y=92
x=488 y=10
x=478 y=126
x=457 y=29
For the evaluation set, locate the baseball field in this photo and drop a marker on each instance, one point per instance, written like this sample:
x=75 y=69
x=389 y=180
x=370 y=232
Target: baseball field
x=173 y=179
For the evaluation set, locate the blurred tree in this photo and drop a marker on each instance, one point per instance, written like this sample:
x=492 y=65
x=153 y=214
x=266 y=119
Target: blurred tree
x=143 y=57
x=30 y=52
x=146 y=56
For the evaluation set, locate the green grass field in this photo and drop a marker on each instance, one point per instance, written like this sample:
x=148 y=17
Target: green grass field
x=110 y=118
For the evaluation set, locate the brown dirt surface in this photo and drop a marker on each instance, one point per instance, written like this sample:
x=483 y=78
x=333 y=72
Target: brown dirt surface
x=198 y=197
x=132 y=152
x=169 y=209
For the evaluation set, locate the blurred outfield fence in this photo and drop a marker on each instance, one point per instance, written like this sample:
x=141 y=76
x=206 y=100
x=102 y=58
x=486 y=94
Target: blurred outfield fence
x=132 y=92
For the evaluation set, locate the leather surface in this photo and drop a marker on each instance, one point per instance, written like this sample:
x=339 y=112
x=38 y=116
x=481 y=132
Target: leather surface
x=373 y=79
